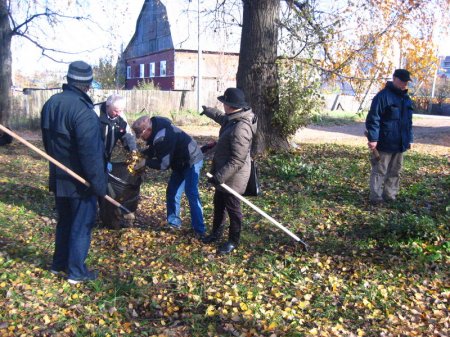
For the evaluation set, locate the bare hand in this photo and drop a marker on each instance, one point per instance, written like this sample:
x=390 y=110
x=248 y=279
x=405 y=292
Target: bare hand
x=372 y=145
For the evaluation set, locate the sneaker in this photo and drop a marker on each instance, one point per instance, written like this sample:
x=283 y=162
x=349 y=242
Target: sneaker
x=173 y=227
x=90 y=276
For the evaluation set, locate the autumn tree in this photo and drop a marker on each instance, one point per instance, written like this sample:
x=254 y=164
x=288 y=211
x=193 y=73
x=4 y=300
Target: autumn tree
x=361 y=42
x=6 y=34
x=339 y=39
x=26 y=19
x=257 y=71
x=105 y=73
x=45 y=26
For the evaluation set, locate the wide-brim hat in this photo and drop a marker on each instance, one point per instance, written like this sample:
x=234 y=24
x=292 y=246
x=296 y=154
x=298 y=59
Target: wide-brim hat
x=234 y=97
x=402 y=74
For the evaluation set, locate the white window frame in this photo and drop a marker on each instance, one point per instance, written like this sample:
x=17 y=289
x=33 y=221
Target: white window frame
x=128 y=72
x=163 y=68
x=152 y=69
x=142 y=70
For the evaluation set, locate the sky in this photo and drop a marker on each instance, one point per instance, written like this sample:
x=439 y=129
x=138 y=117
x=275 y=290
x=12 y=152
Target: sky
x=113 y=23
x=112 y=26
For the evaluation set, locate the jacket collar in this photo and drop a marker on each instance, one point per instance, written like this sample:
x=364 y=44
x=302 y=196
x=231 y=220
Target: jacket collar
x=84 y=96
x=390 y=85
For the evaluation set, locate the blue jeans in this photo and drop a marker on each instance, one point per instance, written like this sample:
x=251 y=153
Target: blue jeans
x=187 y=181
x=76 y=218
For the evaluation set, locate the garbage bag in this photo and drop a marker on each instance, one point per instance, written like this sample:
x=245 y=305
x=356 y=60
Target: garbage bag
x=124 y=188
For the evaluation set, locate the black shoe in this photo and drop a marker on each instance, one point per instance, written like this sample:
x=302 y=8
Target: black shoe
x=58 y=272
x=376 y=203
x=90 y=276
x=210 y=238
x=199 y=236
x=226 y=248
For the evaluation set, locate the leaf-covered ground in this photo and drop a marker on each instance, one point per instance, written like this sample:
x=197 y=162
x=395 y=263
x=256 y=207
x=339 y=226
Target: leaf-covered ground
x=369 y=272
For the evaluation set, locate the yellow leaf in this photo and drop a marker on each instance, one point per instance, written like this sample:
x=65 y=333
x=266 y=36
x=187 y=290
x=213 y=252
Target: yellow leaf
x=243 y=306
x=75 y=296
x=313 y=331
x=272 y=326
x=210 y=311
x=303 y=304
x=46 y=319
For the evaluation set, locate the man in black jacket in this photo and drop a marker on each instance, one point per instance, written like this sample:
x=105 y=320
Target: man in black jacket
x=389 y=131
x=115 y=126
x=171 y=147
x=71 y=135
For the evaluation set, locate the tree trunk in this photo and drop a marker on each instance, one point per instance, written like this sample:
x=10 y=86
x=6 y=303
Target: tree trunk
x=5 y=62
x=257 y=71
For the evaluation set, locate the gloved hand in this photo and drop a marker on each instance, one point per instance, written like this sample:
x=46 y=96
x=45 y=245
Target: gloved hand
x=208 y=146
x=214 y=181
x=109 y=166
x=139 y=165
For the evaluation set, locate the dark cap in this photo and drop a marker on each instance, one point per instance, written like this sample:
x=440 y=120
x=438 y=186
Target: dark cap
x=402 y=75
x=234 y=97
x=80 y=72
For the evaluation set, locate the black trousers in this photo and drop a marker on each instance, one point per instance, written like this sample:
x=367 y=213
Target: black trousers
x=227 y=203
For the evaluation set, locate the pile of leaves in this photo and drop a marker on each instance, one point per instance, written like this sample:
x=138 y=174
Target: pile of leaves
x=370 y=271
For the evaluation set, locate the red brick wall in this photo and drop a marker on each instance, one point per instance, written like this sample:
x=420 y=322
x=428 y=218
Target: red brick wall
x=218 y=72
x=163 y=82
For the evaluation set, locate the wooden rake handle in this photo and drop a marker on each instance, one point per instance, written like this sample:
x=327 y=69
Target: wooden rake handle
x=260 y=211
x=61 y=166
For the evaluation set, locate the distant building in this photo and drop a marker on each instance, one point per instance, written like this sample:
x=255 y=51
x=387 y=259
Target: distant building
x=444 y=69
x=164 y=50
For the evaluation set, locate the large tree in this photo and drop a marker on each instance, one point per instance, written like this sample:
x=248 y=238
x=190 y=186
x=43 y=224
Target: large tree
x=257 y=71
x=5 y=61
x=31 y=24
x=46 y=26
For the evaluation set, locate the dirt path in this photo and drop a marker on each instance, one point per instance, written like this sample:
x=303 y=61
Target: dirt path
x=432 y=134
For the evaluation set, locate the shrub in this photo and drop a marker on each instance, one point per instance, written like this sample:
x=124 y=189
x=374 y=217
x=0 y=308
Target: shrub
x=299 y=97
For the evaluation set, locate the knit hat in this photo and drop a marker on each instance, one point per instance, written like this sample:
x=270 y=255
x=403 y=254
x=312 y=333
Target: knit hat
x=234 y=97
x=79 y=72
x=402 y=75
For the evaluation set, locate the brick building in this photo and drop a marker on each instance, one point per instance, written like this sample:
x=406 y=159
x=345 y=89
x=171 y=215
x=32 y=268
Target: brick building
x=164 y=49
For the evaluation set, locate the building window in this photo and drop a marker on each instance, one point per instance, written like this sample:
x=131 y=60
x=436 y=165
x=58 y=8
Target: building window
x=152 y=69
x=128 y=72
x=162 y=68
x=141 y=70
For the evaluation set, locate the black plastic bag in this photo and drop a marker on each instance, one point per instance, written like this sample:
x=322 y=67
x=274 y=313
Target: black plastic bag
x=124 y=188
x=253 y=188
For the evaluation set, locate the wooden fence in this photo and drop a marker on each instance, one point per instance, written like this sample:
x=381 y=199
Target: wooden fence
x=27 y=105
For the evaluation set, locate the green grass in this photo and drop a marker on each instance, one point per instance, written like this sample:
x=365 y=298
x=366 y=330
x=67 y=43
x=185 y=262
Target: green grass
x=367 y=271
x=330 y=118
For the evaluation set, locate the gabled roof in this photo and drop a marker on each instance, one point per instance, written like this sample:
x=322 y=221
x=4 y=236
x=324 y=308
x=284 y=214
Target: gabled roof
x=173 y=24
